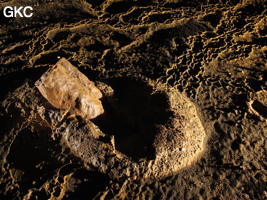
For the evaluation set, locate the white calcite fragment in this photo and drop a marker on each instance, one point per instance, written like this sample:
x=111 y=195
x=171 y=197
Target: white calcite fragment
x=65 y=87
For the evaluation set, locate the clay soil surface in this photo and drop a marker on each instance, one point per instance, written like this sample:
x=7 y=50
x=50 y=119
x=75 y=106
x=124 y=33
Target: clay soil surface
x=212 y=52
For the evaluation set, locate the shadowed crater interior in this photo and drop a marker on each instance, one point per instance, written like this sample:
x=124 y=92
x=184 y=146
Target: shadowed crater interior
x=132 y=116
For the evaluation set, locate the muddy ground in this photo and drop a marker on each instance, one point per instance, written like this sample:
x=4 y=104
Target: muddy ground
x=212 y=52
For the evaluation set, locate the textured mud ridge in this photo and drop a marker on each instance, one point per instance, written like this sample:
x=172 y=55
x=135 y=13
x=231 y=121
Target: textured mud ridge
x=210 y=54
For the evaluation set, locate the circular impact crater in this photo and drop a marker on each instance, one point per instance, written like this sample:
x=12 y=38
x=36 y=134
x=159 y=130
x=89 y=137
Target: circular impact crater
x=152 y=130
x=148 y=129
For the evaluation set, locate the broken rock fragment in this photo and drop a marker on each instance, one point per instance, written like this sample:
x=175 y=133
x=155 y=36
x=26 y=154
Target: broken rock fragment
x=65 y=87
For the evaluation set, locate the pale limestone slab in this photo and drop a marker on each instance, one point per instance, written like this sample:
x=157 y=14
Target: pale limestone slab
x=65 y=87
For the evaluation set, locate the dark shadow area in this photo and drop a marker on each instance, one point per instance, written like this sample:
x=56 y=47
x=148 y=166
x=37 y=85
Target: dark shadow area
x=121 y=6
x=52 y=57
x=122 y=39
x=213 y=19
x=260 y=108
x=33 y=160
x=95 y=3
x=255 y=84
x=89 y=185
x=15 y=79
x=132 y=115
x=27 y=152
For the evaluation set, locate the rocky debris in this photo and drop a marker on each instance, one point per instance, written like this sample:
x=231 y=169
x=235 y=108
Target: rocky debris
x=65 y=87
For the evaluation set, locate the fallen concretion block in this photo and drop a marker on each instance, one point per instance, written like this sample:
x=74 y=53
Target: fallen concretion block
x=65 y=87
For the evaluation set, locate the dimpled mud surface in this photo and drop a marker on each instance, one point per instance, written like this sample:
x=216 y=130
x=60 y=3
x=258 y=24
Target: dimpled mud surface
x=184 y=86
